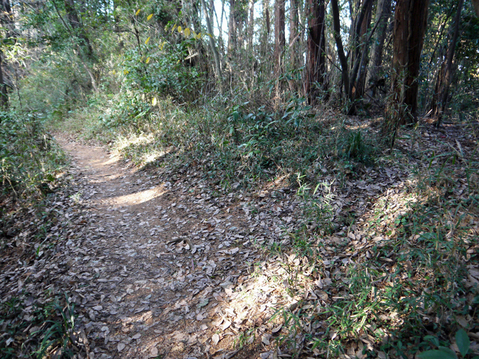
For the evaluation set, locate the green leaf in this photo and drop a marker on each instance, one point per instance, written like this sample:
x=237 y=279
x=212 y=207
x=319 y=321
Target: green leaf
x=443 y=353
x=432 y=339
x=203 y=303
x=462 y=341
x=49 y=177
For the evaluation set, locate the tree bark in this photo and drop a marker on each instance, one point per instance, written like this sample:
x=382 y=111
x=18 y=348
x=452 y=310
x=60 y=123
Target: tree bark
x=476 y=6
x=360 y=51
x=293 y=32
x=251 y=26
x=7 y=22
x=382 y=16
x=279 y=42
x=78 y=29
x=443 y=81
x=265 y=30
x=216 y=55
x=339 y=44
x=232 y=29
x=316 y=53
x=409 y=27
x=3 y=87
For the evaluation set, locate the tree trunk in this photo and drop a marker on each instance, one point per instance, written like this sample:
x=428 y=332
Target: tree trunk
x=360 y=51
x=375 y=69
x=316 y=55
x=476 y=6
x=339 y=44
x=293 y=32
x=232 y=29
x=3 y=87
x=265 y=30
x=443 y=81
x=409 y=27
x=6 y=22
x=251 y=27
x=279 y=42
x=216 y=55
x=293 y=48
x=361 y=82
x=78 y=29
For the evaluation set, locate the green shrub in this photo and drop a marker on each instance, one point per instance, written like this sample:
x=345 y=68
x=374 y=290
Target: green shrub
x=29 y=157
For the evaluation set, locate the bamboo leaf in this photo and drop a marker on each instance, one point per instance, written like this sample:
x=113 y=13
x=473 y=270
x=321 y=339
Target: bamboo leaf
x=154 y=101
x=462 y=341
x=180 y=29
x=187 y=32
x=149 y=17
x=148 y=60
x=147 y=40
x=199 y=35
x=443 y=353
x=137 y=12
x=173 y=29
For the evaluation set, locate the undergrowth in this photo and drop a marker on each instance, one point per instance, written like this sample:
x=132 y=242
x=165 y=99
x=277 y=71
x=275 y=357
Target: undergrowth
x=29 y=158
x=403 y=286
x=31 y=326
x=228 y=144
x=37 y=329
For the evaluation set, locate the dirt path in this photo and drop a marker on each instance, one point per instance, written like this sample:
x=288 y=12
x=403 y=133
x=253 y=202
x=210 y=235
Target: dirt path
x=161 y=269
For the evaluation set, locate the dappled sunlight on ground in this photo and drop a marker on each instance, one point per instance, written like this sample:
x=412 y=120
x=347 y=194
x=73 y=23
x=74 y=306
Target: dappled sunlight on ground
x=185 y=271
x=137 y=197
x=134 y=139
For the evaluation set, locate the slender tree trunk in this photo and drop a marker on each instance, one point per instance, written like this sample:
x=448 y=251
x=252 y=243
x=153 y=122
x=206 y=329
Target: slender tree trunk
x=293 y=32
x=363 y=59
x=293 y=49
x=216 y=55
x=316 y=55
x=409 y=27
x=7 y=22
x=3 y=87
x=339 y=44
x=383 y=12
x=251 y=26
x=240 y=17
x=232 y=29
x=443 y=81
x=359 y=51
x=266 y=30
x=279 y=42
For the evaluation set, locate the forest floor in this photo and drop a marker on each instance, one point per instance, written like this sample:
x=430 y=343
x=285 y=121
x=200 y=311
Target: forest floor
x=165 y=265
x=160 y=268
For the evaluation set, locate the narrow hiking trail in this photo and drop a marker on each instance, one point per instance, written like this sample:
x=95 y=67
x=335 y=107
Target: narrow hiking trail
x=163 y=268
